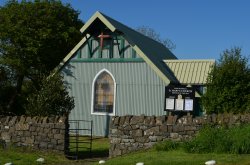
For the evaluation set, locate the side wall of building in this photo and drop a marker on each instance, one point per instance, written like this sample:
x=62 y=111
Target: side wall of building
x=138 y=90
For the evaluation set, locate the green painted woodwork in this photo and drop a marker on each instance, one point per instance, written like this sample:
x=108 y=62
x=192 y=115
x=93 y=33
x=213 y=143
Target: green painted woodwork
x=122 y=48
x=120 y=45
x=133 y=53
x=89 y=46
x=116 y=50
x=111 y=51
x=99 y=51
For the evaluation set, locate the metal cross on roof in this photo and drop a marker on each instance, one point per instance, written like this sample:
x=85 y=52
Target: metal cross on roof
x=102 y=37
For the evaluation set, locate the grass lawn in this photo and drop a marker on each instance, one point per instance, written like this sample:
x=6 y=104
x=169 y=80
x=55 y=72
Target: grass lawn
x=27 y=157
x=100 y=150
x=19 y=156
x=178 y=157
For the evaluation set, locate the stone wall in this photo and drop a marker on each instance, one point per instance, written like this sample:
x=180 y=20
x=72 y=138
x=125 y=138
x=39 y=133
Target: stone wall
x=132 y=133
x=45 y=133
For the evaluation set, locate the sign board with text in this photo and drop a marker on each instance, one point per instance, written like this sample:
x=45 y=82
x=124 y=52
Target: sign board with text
x=179 y=98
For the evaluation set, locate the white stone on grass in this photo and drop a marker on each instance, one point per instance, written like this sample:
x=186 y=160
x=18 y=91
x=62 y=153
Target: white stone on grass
x=8 y=163
x=40 y=160
x=101 y=161
x=140 y=163
x=210 y=162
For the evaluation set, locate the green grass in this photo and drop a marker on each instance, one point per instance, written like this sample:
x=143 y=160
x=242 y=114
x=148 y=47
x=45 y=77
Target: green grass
x=21 y=156
x=175 y=156
x=100 y=147
x=178 y=157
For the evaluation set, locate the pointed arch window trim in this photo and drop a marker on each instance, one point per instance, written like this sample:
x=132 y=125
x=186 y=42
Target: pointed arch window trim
x=93 y=94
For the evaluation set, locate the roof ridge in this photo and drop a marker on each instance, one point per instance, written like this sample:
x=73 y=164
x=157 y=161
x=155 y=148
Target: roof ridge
x=132 y=29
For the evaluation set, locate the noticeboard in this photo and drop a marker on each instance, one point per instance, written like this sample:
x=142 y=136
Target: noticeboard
x=179 y=98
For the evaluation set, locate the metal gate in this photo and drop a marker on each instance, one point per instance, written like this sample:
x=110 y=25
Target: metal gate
x=80 y=139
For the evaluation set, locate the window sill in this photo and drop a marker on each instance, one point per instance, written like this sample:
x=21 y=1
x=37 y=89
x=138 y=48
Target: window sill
x=102 y=114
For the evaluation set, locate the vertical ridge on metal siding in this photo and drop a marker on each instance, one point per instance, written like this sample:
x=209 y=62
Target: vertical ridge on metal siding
x=202 y=71
x=191 y=73
x=105 y=53
x=84 y=51
x=127 y=53
x=100 y=124
x=206 y=67
x=95 y=48
x=184 y=70
x=198 y=76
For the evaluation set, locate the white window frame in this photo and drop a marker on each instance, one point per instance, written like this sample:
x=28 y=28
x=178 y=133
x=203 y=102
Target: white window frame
x=93 y=94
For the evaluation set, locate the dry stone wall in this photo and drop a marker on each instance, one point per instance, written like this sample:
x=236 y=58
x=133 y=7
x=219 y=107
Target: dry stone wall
x=45 y=133
x=132 y=133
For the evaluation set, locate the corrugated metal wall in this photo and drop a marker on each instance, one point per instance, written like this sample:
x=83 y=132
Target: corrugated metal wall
x=139 y=90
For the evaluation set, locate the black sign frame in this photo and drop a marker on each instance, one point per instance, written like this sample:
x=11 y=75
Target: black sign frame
x=179 y=98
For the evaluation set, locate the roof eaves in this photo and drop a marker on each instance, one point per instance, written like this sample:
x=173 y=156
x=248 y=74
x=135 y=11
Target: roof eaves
x=189 y=60
x=152 y=65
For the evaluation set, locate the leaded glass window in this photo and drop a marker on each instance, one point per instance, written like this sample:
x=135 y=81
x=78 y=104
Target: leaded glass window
x=103 y=93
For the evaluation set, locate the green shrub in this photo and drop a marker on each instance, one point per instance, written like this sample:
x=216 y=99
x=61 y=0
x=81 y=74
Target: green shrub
x=167 y=145
x=234 y=140
x=205 y=141
x=52 y=99
x=240 y=137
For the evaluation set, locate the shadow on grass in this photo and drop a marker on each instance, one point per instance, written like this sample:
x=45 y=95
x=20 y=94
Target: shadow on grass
x=87 y=154
x=100 y=149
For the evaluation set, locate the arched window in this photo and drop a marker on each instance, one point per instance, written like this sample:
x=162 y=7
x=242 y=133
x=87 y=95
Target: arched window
x=103 y=93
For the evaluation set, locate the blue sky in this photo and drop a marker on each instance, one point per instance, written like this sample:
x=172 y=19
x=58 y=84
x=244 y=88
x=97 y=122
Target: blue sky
x=199 y=28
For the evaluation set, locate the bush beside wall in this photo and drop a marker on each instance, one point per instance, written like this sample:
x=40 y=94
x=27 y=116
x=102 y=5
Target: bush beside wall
x=43 y=133
x=132 y=133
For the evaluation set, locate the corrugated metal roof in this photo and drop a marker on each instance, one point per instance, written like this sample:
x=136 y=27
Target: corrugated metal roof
x=193 y=72
x=151 y=51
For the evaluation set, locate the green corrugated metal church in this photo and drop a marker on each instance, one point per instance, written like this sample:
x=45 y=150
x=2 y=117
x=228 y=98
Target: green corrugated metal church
x=116 y=71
